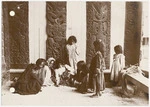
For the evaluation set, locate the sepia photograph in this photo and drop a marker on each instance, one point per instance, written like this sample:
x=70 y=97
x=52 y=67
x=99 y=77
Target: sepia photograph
x=75 y=53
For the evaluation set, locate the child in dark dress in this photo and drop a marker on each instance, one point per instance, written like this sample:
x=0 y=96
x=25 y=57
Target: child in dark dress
x=28 y=82
x=98 y=67
x=33 y=78
x=82 y=77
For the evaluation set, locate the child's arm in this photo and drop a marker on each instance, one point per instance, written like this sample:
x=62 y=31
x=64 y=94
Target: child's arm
x=100 y=63
x=77 y=49
x=122 y=61
x=114 y=56
x=48 y=75
x=103 y=64
x=33 y=75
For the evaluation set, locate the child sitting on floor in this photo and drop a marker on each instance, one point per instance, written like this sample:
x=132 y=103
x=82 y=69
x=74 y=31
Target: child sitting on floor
x=81 y=79
x=50 y=63
x=63 y=72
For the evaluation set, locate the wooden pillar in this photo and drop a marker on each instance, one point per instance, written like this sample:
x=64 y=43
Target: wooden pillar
x=55 y=29
x=18 y=34
x=132 y=32
x=5 y=45
x=98 y=26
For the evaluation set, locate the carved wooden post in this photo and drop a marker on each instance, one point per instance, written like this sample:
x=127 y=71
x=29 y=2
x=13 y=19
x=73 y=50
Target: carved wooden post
x=98 y=27
x=5 y=44
x=56 y=29
x=5 y=35
x=18 y=34
x=133 y=32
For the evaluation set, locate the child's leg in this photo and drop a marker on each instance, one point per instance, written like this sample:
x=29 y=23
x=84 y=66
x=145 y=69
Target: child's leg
x=87 y=82
x=83 y=86
x=124 y=83
x=98 y=85
x=96 y=81
x=57 y=78
x=94 y=84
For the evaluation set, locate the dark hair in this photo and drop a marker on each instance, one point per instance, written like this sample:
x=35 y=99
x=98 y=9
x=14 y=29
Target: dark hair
x=118 y=49
x=71 y=39
x=99 y=45
x=57 y=63
x=81 y=65
x=39 y=61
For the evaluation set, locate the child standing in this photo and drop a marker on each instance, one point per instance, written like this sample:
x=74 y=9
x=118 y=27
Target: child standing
x=98 y=67
x=117 y=65
x=72 y=52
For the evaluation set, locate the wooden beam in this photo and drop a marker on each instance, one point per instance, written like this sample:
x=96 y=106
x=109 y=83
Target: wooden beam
x=146 y=73
x=139 y=80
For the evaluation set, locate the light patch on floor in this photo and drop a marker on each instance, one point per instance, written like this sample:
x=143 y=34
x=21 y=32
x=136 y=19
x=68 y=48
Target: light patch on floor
x=67 y=96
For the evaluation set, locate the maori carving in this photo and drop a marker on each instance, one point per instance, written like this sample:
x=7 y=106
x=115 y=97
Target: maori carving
x=5 y=45
x=98 y=27
x=5 y=36
x=56 y=29
x=18 y=34
x=132 y=32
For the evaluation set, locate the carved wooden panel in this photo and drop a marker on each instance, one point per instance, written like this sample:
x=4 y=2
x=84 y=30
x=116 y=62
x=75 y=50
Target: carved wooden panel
x=56 y=29
x=5 y=45
x=18 y=34
x=132 y=32
x=98 y=27
x=5 y=36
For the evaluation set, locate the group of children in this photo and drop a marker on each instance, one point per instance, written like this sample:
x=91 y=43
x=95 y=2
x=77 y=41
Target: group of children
x=73 y=73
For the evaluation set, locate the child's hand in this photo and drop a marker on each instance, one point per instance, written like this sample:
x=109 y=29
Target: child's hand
x=95 y=75
x=98 y=70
